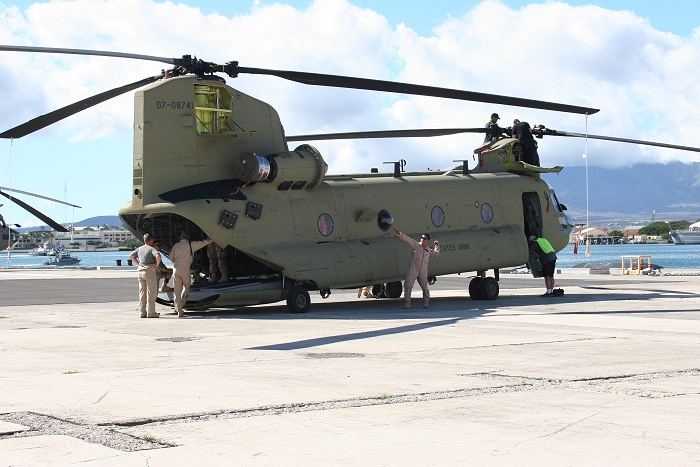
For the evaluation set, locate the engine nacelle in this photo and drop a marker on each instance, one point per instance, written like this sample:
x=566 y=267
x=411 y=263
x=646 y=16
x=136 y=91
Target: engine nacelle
x=303 y=167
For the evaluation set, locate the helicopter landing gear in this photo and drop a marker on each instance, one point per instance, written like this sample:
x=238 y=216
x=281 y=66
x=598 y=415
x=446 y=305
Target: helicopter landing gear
x=484 y=288
x=488 y=288
x=298 y=300
x=393 y=289
x=378 y=291
x=474 y=288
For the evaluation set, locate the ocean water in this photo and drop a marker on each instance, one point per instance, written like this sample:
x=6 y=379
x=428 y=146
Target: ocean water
x=664 y=255
x=87 y=259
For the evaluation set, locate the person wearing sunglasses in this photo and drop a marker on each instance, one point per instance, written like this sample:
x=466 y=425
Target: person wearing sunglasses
x=419 y=266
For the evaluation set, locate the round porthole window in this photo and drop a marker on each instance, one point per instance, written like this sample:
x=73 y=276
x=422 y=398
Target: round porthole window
x=325 y=224
x=486 y=212
x=438 y=216
x=384 y=220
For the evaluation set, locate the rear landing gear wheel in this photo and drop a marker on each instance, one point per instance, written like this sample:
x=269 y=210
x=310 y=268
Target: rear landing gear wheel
x=298 y=300
x=393 y=289
x=488 y=289
x=378 y=291
x=474 y=288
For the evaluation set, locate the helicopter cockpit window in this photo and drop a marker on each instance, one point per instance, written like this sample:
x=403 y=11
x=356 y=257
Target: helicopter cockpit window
x=384 y=220
x=213 y=109
x=325 y=224
x=438 y=216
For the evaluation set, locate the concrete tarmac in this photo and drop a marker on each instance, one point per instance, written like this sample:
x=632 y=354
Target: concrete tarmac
x=609 y=374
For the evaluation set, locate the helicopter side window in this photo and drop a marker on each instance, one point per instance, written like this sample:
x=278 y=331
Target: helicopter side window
x=325 y=224
x=384 y=220
x=437 y=216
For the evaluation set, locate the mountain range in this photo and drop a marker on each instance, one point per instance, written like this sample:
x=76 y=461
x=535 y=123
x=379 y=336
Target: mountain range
x=630 y=193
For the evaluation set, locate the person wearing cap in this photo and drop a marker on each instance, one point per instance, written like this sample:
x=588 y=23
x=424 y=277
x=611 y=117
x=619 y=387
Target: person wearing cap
x=419 y=266
x=523 y=132
x=547 y=257
x=493 y=130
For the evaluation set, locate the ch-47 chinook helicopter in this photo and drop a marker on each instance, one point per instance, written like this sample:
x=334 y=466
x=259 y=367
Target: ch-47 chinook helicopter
x=215 y=162
x=8 y=235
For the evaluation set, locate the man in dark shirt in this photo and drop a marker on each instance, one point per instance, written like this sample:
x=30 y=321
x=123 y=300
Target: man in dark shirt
x=523 y=132
x=547 y=258
x=493 y=131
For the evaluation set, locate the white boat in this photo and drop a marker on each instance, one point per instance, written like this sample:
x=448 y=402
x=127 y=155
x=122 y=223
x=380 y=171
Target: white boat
x=686 y=237
x=46 y=249
x=63 y=258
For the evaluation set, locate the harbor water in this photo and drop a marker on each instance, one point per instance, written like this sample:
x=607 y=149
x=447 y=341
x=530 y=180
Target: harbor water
x=87 y=259
x=665 y=255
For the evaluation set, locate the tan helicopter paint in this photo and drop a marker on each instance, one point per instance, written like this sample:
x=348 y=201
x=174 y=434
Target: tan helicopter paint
x=170 y=153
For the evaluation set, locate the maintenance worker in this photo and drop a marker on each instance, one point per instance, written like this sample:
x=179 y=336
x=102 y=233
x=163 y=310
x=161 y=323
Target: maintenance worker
x=523 y=132
x=493 y=131
x=217 y=257
x=148 y=259
x=419 y=266
x=162 y=271
x=182 y=256
x=547 y=258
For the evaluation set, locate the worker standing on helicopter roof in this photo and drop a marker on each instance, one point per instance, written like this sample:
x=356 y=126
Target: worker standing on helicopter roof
x=493 y=131
x=182 y=256
x=419 y=266
x=523 y=132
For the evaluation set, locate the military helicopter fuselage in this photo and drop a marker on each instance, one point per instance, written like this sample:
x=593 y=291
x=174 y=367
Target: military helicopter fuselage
x=214 y=161
x=8 y=235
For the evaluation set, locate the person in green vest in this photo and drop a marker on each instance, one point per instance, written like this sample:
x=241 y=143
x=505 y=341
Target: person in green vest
x=548 y=259
x=493 y=131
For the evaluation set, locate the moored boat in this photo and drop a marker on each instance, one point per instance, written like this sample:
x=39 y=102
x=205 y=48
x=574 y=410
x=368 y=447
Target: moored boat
x=686 y=237
x=63 y=258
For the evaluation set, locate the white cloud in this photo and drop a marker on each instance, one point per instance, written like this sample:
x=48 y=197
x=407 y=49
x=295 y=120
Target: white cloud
x=646 y=82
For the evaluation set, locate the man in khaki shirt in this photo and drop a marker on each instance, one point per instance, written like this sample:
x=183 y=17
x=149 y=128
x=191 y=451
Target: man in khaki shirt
x=147 y=258
x=419 y=266
x=182 y=255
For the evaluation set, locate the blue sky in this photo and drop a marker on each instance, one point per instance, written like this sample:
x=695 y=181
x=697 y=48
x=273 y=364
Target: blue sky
x=641 y=75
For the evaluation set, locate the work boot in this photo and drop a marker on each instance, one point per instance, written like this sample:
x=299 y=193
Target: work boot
x=180 y=314
x=223 y=279
x=165 y=288
x=425 y=305
x=407 y=305
x=212 y=279
x=143 y=314
x=153 y=315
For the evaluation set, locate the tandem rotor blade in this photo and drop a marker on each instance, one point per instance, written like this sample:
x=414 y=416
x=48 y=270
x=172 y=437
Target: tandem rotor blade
x=56 y=226
x=53 y=50
x=319 y=79
x=549 y=132
x=387 y=134
x=12 y=190
x=50 y=118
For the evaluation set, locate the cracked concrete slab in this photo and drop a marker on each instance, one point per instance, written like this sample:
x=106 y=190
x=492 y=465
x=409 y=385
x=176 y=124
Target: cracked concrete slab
x=608 y=373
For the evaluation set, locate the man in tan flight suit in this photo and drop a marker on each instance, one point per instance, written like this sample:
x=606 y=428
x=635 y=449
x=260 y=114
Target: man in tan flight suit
x=419 y=266
x=148 y=259
x=182 y=256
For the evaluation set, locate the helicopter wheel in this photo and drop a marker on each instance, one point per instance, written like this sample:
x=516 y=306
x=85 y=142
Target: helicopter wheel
x=488 y=288
x=378 y=291
x=474 y=292
x=393 y=289
x=298 y=300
